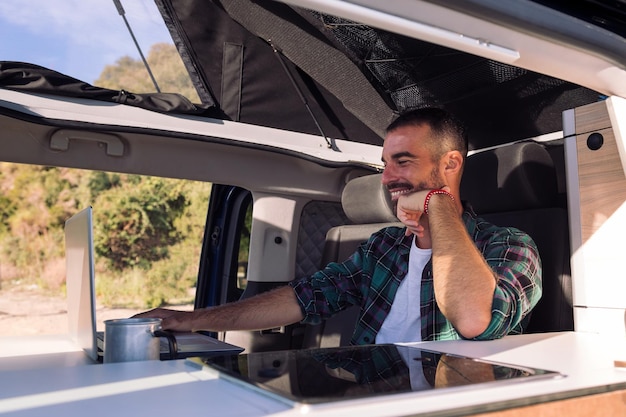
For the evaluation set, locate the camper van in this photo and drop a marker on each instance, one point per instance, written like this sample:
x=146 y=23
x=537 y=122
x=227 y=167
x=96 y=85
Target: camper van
x=295 y=99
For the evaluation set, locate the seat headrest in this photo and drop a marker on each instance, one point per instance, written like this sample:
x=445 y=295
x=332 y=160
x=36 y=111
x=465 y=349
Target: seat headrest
x=365 y=200
x=515 y=177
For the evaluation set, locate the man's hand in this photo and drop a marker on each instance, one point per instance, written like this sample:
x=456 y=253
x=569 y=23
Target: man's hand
x=175 y=320
x=409 y=211
x=410 y=208
x=270 y=309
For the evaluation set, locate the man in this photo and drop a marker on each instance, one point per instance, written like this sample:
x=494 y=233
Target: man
x=446 y=275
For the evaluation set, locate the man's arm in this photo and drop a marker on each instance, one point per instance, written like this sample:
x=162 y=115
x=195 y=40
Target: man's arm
x=274 y=308
x=464 y=284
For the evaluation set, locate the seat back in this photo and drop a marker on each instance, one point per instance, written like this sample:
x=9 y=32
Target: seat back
x=516 y=186
x=368 y=206
x=513 y=186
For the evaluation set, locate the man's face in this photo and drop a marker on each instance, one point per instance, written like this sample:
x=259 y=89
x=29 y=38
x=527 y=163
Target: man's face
x=408 y=162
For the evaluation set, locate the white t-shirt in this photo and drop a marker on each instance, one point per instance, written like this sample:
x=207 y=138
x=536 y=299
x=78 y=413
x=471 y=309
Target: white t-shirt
x=403 y=323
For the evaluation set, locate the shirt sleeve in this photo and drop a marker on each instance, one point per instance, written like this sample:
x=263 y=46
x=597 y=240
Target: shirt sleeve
x=330 y=290
x=515 y=261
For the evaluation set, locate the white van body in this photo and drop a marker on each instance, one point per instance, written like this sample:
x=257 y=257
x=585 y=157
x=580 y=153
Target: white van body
x=284 y=170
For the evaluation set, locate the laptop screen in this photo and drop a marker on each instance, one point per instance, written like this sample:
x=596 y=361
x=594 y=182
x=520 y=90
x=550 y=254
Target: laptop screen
x=80 y=281
x=80 y=284
x=344 y=373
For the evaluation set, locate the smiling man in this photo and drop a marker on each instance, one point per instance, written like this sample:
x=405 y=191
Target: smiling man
x=446 y=275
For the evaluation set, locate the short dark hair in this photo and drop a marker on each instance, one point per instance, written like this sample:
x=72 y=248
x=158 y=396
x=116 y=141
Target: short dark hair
x=448 y=133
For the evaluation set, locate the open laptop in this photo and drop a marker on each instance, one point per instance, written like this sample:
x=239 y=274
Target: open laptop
x=80 y=283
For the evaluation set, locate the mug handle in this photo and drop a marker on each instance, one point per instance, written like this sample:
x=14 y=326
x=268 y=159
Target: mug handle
x=171 y=341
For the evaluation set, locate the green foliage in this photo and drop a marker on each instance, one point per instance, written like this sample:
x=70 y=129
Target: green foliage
x=158 y=265
x=147 y=231
x=37 y=200
x=98 y=182
x=166 y=66
x=167 y=281
x=135 y=222
x=244 y=243
x=7 y=209
x=148 y=235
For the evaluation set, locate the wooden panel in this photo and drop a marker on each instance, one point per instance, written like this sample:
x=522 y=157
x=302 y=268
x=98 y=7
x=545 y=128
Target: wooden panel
x=601 y=181
x=601 y=177
x=600 y=218
x=599 y=405
x=592 y=117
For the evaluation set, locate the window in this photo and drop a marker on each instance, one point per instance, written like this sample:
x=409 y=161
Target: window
x=147 y=240
x=244 y=250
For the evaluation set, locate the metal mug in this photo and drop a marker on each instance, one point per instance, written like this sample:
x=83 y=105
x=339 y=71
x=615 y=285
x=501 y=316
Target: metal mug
x=135 y=339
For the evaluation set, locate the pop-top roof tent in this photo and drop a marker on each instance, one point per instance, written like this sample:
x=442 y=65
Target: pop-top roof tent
x=273 y=64
x=261 y=61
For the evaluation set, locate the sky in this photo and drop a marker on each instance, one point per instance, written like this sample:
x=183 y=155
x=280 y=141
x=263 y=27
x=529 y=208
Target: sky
x=77 y=37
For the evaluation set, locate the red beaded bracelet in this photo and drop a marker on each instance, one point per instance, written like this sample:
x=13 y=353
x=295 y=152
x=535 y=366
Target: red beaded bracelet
x=433 y=192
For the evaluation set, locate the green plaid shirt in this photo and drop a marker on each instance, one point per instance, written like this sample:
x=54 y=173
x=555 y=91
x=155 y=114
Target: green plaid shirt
x=372 y=275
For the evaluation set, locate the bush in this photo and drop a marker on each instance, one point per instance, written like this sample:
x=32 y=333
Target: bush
x=147 y=231
x=134 y=223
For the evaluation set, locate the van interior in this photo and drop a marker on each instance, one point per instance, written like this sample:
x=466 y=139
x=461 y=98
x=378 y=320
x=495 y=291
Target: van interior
x=289 y=133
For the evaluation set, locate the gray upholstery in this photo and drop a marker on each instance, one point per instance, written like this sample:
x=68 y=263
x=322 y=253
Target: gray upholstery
x=512 y=186
x=517 y=186
x=368 y=204
x=317 y=218
x=516 y=177
x=366 y=201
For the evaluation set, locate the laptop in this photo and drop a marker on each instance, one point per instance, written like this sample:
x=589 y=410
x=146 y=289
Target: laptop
x=80 y=284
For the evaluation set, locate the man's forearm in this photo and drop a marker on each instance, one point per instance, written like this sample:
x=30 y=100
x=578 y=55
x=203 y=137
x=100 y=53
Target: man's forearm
x=274 y=308
x=463 y=282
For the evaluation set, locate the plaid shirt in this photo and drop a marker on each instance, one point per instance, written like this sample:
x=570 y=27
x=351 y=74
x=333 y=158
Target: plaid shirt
x=372 y=275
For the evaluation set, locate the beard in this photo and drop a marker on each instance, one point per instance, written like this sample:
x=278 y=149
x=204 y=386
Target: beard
x=434 y=181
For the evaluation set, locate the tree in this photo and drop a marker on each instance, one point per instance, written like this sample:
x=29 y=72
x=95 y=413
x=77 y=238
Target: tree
x=166 y=66
x=147 y=230
x=134 y=224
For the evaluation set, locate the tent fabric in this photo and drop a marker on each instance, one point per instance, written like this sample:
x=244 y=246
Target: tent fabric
x=358 y=78
x=206 y=36
x=267 y=63
x=32 y=78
